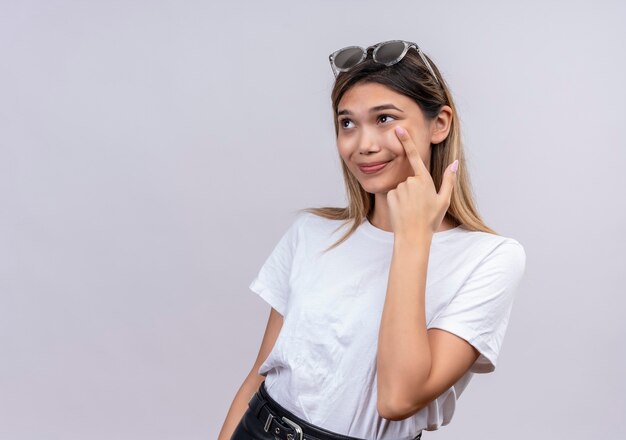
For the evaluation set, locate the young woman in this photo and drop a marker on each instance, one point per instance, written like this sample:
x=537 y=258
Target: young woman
x=382 y=311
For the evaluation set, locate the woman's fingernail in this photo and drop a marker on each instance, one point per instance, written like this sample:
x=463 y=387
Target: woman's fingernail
x=401 y=131
x=455 y=166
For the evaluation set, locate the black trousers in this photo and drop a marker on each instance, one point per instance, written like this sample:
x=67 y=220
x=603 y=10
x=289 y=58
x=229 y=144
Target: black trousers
x=266 y=419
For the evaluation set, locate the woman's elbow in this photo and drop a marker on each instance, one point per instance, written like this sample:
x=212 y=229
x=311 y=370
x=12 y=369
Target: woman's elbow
x=396 y=409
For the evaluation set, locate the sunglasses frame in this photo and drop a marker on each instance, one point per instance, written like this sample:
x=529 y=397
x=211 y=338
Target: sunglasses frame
x=407 y=46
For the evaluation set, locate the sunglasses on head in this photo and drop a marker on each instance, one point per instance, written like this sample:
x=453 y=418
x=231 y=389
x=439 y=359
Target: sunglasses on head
x=387 y=53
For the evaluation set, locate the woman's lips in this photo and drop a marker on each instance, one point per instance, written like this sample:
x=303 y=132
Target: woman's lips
x=373 y=168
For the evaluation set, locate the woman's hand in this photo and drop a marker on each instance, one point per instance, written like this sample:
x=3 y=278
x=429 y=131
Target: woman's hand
x=415 y=207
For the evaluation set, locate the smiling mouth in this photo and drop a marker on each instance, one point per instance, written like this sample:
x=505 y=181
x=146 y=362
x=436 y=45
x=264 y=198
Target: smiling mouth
x=372 y=168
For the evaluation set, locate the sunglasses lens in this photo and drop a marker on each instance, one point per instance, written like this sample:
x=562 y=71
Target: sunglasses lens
x=389 y=52
x=348 y=57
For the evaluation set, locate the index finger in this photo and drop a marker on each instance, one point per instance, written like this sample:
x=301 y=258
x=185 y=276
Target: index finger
x=419 y=167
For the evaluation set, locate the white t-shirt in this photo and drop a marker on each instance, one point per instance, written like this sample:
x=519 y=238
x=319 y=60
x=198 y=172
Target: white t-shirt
x=323 y=364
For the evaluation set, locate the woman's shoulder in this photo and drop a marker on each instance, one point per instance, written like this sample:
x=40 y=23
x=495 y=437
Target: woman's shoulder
x=478 y=246
x=467 y=236
x=313 y=222
x=500 y=252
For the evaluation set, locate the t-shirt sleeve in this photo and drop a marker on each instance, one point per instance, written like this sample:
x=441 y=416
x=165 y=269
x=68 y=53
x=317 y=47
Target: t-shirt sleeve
x=480 y=311
x=272 y=281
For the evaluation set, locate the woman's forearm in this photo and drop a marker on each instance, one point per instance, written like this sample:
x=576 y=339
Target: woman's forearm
x=239 y=406
x=404 y=356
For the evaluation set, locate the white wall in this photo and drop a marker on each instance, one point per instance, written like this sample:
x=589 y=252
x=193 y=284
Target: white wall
x=153 y=152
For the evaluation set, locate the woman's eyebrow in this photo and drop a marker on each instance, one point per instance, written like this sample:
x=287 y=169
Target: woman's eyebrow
x=372 y=110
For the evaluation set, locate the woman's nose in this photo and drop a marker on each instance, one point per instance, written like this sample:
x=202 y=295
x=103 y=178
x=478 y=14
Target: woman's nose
x=369 y=142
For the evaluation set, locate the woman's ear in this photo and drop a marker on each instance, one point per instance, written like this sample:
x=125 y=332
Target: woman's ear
x=440 y=126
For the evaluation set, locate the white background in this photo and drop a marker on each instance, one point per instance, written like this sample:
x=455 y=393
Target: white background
x=153 y=152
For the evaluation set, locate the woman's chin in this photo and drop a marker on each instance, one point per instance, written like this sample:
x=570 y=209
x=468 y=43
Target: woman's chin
x=376 y=189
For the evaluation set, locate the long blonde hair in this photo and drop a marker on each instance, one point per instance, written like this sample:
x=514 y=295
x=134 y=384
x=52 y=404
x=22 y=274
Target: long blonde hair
x=411 y=78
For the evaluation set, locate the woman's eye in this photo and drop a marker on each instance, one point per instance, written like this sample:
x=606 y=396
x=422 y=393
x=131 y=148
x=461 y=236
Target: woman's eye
x=386 y=116
x=343 y=121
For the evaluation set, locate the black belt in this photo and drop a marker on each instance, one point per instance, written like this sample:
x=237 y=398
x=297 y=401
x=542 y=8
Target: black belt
x=285 y=425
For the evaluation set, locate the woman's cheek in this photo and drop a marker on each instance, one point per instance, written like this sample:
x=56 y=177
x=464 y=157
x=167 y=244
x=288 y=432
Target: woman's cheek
x=393 y=142
x=343 y=151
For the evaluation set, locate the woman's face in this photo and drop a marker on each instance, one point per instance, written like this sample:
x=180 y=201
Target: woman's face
x=367 y=135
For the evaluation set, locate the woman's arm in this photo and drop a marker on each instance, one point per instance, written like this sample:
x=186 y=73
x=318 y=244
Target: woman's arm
x=414 y=365
x=253 y=380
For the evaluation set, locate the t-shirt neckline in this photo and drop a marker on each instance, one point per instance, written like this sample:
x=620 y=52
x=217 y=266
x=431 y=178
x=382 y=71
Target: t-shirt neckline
x=381 y=234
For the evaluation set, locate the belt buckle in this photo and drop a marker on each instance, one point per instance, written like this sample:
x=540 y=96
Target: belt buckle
x=295 y=426
x=270 y=417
